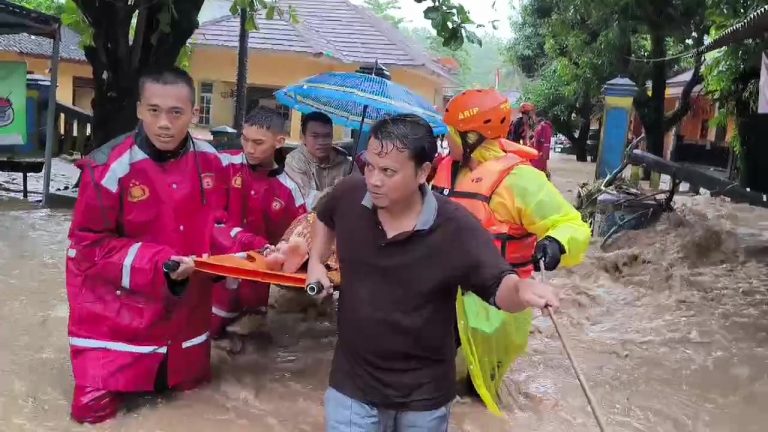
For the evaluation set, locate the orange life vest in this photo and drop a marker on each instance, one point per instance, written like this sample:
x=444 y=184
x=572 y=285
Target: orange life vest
x=525 y=152
x=474 y=193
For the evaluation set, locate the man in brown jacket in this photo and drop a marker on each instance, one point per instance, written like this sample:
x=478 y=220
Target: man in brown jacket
x=317 y=165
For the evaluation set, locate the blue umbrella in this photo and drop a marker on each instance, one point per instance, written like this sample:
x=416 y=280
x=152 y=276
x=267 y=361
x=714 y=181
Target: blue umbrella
x=357 y=100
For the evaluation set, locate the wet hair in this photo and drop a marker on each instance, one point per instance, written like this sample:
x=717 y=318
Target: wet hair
x=406 y=133
x=316 y=117
x=266 y=118
x=168 y=76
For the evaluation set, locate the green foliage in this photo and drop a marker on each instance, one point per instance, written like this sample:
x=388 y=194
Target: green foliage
x=451 y=23
x=68 y=12
x=271 y=8
x=74 y=19
x=384 y=9
x=50 y=7
x=569 y=51
x=478 y=64
x=184 y=57
x=581 y=44
x=526 y=49
x=732 y=75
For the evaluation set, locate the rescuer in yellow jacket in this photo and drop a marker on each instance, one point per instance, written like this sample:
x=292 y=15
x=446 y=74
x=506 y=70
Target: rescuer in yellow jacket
x=530 y=219
x=520 y=197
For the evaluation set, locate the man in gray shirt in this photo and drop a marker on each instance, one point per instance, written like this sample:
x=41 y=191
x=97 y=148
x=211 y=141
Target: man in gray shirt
x=317 y=164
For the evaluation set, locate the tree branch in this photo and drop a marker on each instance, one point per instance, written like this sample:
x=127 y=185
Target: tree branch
x=684 y=107
x=89 y=9
x=122 y=34
x=138 y=37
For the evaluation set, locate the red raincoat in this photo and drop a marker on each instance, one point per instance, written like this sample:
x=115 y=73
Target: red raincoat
x=542 y=139
x=132 y=214
x=261 y=207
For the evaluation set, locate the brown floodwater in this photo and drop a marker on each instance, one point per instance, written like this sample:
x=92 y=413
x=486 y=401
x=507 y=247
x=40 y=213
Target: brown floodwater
x=669 y=326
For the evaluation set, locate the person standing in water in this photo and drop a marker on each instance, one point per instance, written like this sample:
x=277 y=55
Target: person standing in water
x=145 y=198
x=263 y=201
x=403 y=252
x=529 y=218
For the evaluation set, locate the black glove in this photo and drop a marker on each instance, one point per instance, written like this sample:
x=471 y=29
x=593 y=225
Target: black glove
x=177 y=288
x=550 y=251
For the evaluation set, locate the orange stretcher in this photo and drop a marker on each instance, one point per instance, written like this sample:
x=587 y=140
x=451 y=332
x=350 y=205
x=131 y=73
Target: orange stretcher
x=249 y=266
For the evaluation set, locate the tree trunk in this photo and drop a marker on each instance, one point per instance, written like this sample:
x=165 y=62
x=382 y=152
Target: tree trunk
x=580 y=142
x=118 y=61
x=584 y=111
x=650 y=109
x=242 y=73
x=113 y=115
x=655 y=129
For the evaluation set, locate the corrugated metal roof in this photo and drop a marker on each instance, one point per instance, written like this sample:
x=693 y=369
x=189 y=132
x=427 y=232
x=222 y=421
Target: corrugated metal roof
x=347 y=32
x=34 y=45
x=19 y=19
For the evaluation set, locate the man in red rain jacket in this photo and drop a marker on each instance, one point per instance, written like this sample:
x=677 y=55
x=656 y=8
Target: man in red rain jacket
x=145 y=198
x=542 y=139
x=263 y=201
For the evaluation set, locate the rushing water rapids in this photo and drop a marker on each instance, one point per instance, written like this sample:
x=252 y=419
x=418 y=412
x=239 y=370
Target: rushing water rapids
x=668 y=324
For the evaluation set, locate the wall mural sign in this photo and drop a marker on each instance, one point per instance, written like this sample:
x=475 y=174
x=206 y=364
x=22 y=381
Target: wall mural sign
x=13 y=103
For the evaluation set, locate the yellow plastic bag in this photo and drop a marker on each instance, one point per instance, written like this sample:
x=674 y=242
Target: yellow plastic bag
x=491 y=340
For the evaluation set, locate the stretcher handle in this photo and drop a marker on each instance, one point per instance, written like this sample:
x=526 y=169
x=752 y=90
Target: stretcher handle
x=171 y=266
x=314 y=288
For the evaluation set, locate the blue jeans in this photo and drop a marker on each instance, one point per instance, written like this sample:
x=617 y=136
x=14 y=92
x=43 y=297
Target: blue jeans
x=344 y=414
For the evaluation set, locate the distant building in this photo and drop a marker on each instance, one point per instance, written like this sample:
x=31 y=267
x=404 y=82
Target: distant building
x=332 y=35
x=75 y=74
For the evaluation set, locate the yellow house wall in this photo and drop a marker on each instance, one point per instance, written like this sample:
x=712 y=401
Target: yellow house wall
x=67 y=71
x=277 y=70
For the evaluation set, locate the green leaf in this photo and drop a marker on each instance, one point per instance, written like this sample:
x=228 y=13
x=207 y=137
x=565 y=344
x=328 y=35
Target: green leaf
x=74 y=19
x=234 y=9
x=294 y=16
x=432 y=13
x=472 y=38
x=453 y=39
x=463 y=16
x=270 y=15
x=251 y=24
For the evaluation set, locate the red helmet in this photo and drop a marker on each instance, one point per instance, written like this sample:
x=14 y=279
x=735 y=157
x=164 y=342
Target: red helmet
x=485 y=111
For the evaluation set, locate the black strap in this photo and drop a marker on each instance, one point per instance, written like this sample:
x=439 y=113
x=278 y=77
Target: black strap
x=510 y=237
x=505 y=239
x=441 y=190
x=455 y=168
x=469 y=195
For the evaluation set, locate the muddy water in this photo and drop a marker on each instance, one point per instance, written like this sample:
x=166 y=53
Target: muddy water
x=669 y=326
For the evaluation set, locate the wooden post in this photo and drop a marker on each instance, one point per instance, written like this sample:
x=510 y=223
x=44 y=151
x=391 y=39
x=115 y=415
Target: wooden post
x=50 y=134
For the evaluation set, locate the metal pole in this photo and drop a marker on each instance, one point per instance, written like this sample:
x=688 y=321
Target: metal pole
x=51 y=129
x=582 y=382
